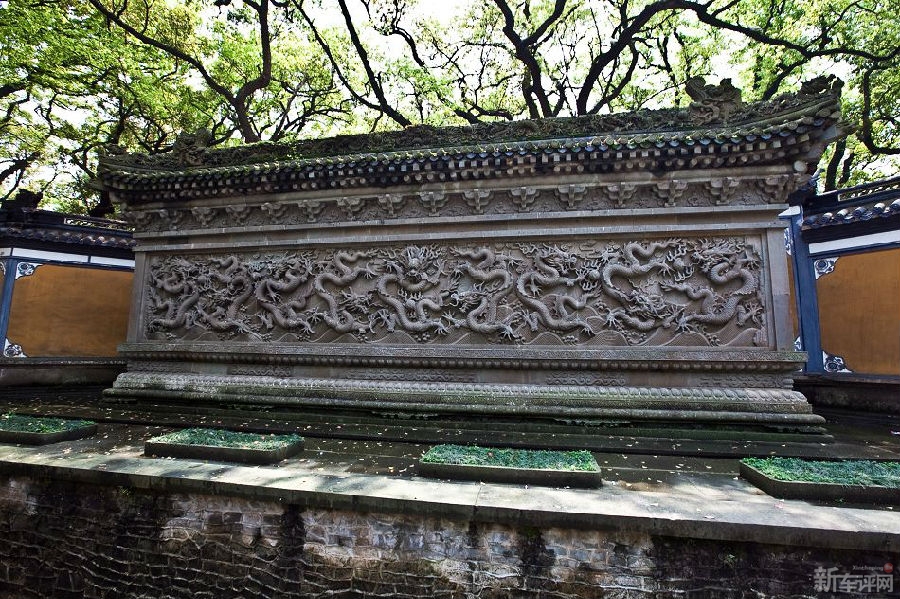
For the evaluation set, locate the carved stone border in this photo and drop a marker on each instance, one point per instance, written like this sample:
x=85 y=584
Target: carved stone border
x=746 y=405
x=626 y=359
x=670 y=193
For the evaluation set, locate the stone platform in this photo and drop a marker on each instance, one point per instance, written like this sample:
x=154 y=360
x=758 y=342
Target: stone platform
x=352 y=518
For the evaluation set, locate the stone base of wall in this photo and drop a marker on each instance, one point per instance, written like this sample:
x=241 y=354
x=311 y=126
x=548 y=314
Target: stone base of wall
x=851 y=391
x=66 y=539
x=59 y=371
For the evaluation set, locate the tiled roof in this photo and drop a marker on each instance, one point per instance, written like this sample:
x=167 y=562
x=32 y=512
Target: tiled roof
x=857 y=204
x=780 y=131
x=42 y=227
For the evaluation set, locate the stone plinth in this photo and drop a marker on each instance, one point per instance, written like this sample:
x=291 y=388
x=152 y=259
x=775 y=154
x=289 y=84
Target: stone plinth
x=596 y=275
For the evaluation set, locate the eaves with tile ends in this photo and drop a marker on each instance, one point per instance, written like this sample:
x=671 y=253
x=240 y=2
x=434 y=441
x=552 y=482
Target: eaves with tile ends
x=790 y=129
x=861 y=210
x=54 y=231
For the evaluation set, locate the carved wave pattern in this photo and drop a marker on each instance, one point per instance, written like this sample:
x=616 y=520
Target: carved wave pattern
x=681 y=292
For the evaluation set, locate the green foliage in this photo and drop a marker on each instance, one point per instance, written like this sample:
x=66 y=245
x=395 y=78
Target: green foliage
x=79 y=76
x=225 y=438
x=847 y=472
x=581 y=461
x=71 y=85
x=33 y=424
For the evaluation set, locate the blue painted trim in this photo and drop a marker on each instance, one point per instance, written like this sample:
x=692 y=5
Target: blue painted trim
x=9 y=281
x=862 y=249
x=44 y=261
x=807 y=300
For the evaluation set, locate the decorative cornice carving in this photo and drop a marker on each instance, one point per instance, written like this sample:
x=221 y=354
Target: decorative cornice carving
x=646 y=195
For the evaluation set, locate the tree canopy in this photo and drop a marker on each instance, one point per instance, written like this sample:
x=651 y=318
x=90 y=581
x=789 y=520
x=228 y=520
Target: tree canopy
x=81 y=77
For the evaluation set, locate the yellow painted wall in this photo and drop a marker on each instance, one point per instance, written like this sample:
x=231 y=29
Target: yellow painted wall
x=70 y=311
x=859 y=311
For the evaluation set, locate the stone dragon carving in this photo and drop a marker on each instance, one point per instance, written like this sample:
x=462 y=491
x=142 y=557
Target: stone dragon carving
x=653 y=292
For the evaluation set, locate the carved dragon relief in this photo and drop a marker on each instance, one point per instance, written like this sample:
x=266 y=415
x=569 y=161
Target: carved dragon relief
x=676 y=292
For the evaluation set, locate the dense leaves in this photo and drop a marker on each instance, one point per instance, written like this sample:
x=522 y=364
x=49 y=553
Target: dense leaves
x=78 y=77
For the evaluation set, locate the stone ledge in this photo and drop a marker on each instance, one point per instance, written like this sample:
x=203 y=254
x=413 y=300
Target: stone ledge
x=59 y=371
x=520 y=476
x=674 y=515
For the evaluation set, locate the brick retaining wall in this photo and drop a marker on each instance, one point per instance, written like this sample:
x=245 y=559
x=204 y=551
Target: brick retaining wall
x=67 y=539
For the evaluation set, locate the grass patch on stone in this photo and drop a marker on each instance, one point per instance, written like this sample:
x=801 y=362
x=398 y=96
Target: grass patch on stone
x=531 y=459
x=864 y=473
x=19 y=423
x=229 y=439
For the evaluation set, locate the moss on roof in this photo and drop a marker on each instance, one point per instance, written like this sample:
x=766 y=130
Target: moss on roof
x=190 y=151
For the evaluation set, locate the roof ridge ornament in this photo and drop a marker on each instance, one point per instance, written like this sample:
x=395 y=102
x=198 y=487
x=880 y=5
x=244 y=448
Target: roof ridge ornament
x=712 y=103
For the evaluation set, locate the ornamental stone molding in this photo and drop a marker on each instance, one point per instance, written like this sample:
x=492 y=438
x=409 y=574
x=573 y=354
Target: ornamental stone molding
x=649 y=195
x=625 y=269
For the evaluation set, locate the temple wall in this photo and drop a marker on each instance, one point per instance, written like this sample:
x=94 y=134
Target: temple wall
x=67 y=310
x=597 y=296
x=65 y=296
x=859 y=310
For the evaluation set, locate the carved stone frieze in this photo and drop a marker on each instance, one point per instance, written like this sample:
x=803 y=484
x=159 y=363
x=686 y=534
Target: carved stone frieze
x=586 y=379
x=434 y=376
x=535 y=399
x=474 y=202
x=156 y=366
x=260 y=370
x=697 y=292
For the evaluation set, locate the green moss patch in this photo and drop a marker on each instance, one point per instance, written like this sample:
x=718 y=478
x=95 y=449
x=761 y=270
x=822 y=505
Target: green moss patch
x=531 y=459
x=231 y=439
x=19 y=423
x=865 y=473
